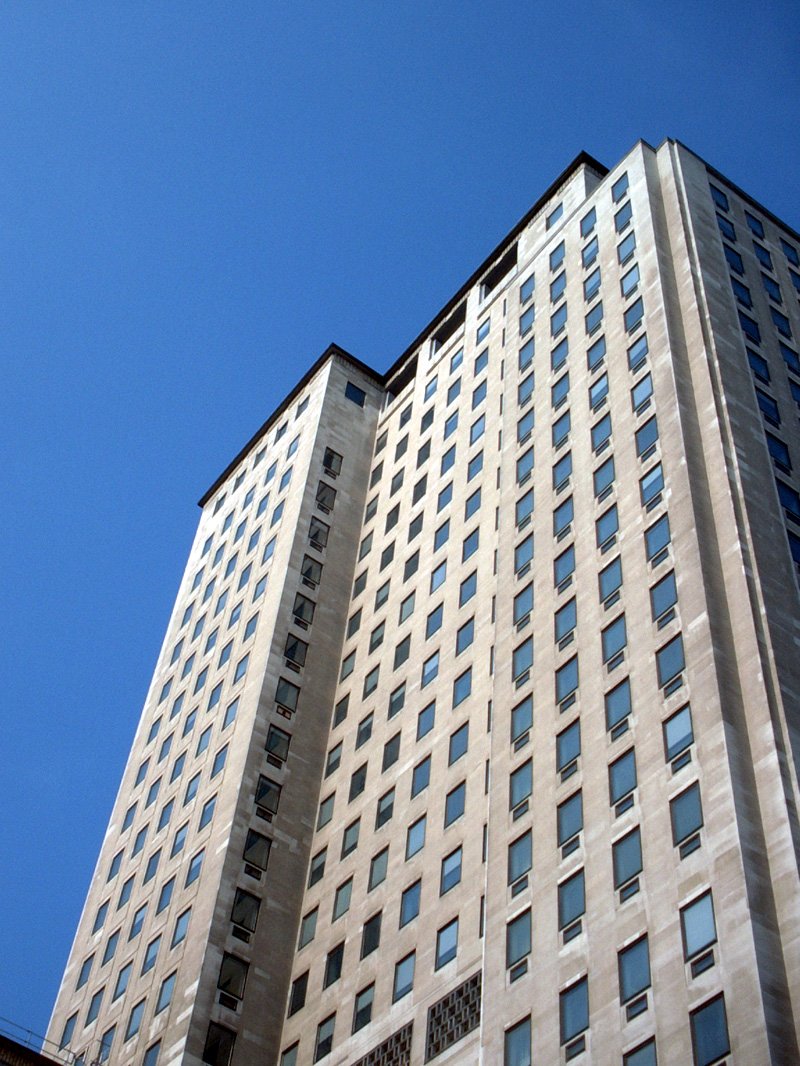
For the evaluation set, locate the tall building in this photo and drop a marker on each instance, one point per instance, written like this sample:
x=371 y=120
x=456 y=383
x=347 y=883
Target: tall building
x=474 y=736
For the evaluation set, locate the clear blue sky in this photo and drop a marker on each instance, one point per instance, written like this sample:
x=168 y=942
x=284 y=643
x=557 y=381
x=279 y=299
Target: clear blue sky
x=195 y=199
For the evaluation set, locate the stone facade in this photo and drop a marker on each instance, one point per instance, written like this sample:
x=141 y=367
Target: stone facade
x=509 y=773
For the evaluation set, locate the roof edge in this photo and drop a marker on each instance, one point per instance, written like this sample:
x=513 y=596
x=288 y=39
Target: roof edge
x=582 y=159
x=331 y=351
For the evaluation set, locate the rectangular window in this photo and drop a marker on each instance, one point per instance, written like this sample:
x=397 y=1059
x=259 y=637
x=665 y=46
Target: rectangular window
x=574 y=1014
x=709 y=1025
x=686 y=814
x=570 y=821
x=518 y=939
x=454 y=804
x=698 y=928
x=634 y=975
x=415 y=836
x=403 y=977
x=446 y=943
x=678 y=734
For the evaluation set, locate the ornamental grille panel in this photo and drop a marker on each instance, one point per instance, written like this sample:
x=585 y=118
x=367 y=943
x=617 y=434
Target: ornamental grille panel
x=395 y=1051
x=457 y=1014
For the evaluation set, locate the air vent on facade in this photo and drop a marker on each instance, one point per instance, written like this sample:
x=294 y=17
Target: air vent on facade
x=396 y=1051
x=453 y=1017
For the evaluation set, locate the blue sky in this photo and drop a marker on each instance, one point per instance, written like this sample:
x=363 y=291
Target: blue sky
x=195 y=199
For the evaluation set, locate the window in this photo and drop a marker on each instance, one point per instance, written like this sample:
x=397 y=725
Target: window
x=481 y=361
x=520 y=786
x=475 y=465
x=574 y=1010
x=407 y=607
x=568 y=748
x=268 y=794
x=462 y=687
x=256 y=849
x=355 y=394
x=522 y=660
x=562 y=517
x=350 y=838
x=558 y=356
x=438 y=576
x=678 y=734
x=563 y=566
x=448 y=459
x=686 y=814
x=316 y=869
x=567 y=679
x=651 y=485
x=391 y=752
x=454 y=803
x=562 y=425
x=324 y=1040
x=626 y=248
x=151 y=1055
x=591 y=285
x=618 y=705
x=521 y=719
x=614 y=639
x=409 y=903
x=524 y=508
x=570 y=820
x=468 y=588
x=425 y=720
x=138 y=919
x=403 y=976
x=297 y=995
x=333 y=965
x=601 y=432
x=472 y=504
x=308 y=927
x=397 y=700
x=558 y=286
x=193 y=872
x=790 y=252
x=554 y=216
x=446 y=943
x=670 y=661
x=523 y=605
x=603 y=478
x=232 y=976
x=105 y=1044
x=526 y=289
x=565 y=620
x=470 y=545
x=451 y=871
x=362 y=1008
x=219 y=1045
x=709 y=1026
x=358 y=782
x=517 y=1044
x=571 y=904
x=779 y=452
x=465 y=636
x=459 y=742
x=594 y=318
x=518 y=939
x=377 y=869
x=415 y=837
x=341 y=900
x=657 y=538
x=598 y=390
x=122 y=981
x=557 y=256
x=430 y=669
x=420 y=779
x=558 y=320
x=622 y=781
x=634 y=974
x=520 y=857
x=698 y=929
